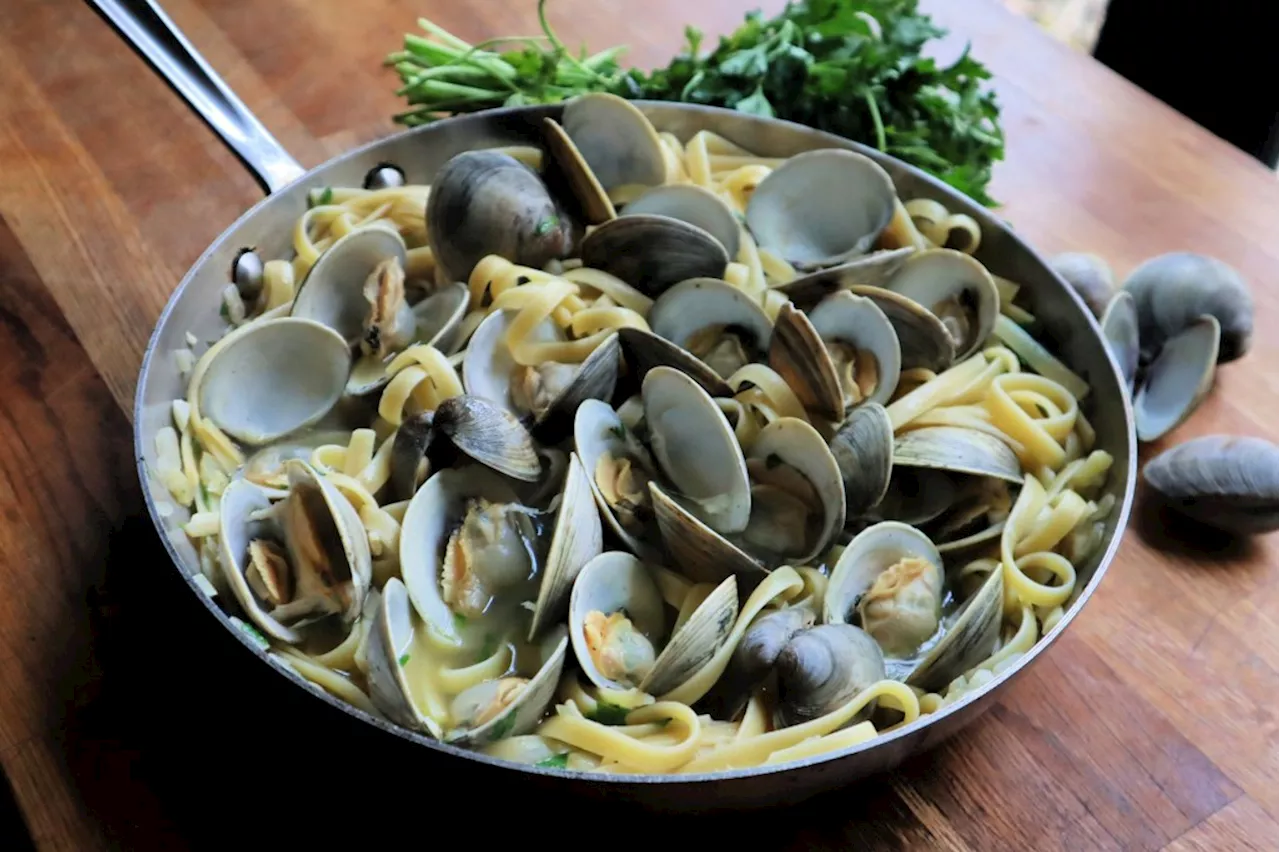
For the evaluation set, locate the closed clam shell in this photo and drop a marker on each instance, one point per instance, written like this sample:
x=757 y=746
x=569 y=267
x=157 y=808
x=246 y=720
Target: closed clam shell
x=923 y=340
x=695 y=205
x=576 y=539
x=859 y=322
x=333 y=291
x=486 y=202
x=1172 y=291
x=869 y=270
x=696 y=449
x=793 y=442
x=956 y=288
x=957 y=450
x=270 y=378
x=863 y=452
x=821 y=669
x=653 y=253
x=1120 y=331
x=820 y=208
x=1178 y=380
x=1229 y=482
x=1089 y=275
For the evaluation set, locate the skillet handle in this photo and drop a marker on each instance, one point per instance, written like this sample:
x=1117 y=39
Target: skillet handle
x=148 y=29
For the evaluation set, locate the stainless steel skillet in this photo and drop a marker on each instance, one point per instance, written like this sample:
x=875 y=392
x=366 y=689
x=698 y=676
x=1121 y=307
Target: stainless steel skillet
x=1066 y=327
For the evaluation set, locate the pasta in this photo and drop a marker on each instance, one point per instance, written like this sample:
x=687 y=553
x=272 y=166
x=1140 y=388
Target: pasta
x=600 y=521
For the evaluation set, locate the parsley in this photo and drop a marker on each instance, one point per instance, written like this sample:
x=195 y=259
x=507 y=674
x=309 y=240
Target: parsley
x=619 y=432
x=546 y=225
x=404 y=659
x=609 y=714
x=459 y=621
x=325 y=196
x=489 y=648
x=555 y=761
x=851 y=67
x=502 y=727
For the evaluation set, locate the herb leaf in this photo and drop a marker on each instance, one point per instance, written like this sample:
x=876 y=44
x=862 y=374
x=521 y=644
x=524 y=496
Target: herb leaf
x=609 y=714
x=555 y=761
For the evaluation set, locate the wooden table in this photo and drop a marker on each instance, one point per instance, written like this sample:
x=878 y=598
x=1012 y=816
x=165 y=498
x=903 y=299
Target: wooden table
x=127 y=718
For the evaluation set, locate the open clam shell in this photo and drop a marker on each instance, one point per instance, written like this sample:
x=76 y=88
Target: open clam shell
x=869 y=270
x=554 y=390
x=315 y=523
x=614 y=140
x=695 y=205
x=1229 y=482
x=593 y=201
x=701 y=553
x=1120 y=331
x=488 y=434
x=640 y=654
x=643 y=350
x=522 y=715
x=437 y=319
x=958 y=450
x=793 y=443
x=955 y=288
x=390 y=642
x=858 y=323
x=333 y=291
x=863 y=452
x=923 y=339
x=598 y=436
x=797 y=353
x=1178 y=380
x=576 y=539
x=653 y=253
x=890 y=581
x=696 y=449
x=822 y=207
x=270 y=378
x=713 y=321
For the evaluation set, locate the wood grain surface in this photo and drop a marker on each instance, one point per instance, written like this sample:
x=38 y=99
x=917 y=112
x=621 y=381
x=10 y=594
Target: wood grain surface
x=128 y=720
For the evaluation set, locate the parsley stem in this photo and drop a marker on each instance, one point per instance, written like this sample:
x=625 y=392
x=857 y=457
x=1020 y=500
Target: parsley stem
x=875 y=119
x=559 y=45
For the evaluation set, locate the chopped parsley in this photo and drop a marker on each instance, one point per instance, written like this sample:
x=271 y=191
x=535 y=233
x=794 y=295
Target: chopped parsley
x=609 y=714
x=489 y=648
x=619 y=431
x=546 y=225
x=459 y=621
x=326 y=195
x=404 y=659
x=555 y=761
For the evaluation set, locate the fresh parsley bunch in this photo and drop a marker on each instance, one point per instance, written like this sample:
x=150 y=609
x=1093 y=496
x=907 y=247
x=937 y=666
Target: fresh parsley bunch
x=851 y=67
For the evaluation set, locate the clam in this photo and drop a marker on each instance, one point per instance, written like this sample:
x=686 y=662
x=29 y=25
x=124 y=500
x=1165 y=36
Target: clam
x=266 y=467
x=1171 y=292
x=643 y=350
x=869 y=270
x=1178 y=380
x=711 y=320
x=821 y=669
x=955 y=288
x=958 y=450
x=356 y=287
x=501 y=707
x=546 y=395
x=863 y=451
x=890 y=582
x=620 y=469
x=916 y=496
x=693 y=204
x=302 y=560
x=821 y=208
x=653 y=253
x=764 y=641
x=623 y=637
x=862 y=345
x=1226 y=481
x=797 y=508
x=485 y=202
x=1120 y=331
x=923 y=339
x=270 y=378
x=410 y=465
x=436 y=321
x=576 y=539
x=601 y=143
x=468 y=550
x=1089 y=275
x=489 y=435
x=798 y=355
x=696 y=449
